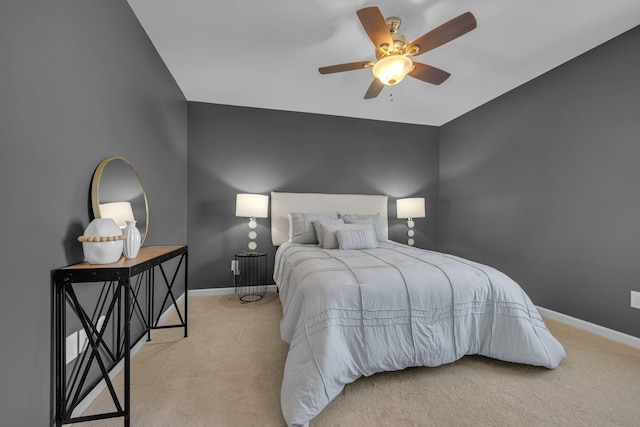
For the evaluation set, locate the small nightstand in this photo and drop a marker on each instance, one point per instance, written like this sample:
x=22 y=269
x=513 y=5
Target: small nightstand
x=250 y=276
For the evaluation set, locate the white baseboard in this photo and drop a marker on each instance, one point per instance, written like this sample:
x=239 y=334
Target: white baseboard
x=591 y=327
x=221 y=291
x=95 y=392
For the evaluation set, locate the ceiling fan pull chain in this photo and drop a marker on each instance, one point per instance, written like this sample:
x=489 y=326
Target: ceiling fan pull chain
x=391 y=95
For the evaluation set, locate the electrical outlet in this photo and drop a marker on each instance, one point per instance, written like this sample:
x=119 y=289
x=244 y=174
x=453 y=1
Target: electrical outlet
x=635 y=299
x=83 y=341
x=100 y=323
x=234 y=267
x=71 y=347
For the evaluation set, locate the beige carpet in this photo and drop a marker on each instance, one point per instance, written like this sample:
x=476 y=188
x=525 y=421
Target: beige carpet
x=228 y=373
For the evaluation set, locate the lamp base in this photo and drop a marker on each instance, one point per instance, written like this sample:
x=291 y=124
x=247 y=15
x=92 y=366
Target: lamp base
x=252 y=234
x=410 y=232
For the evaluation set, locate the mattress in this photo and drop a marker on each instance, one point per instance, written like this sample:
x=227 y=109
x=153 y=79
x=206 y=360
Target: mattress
x=353 y=313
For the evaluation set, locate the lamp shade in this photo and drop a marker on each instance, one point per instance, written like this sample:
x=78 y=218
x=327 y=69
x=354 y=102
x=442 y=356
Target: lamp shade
x=120 y=212
x=411 y=208
x=390 y=70
x=252 y=205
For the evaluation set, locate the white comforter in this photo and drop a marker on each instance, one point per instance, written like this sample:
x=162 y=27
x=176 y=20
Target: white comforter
x=353 y=313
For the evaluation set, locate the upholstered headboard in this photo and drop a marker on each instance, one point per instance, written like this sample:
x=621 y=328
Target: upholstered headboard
x=284 y=203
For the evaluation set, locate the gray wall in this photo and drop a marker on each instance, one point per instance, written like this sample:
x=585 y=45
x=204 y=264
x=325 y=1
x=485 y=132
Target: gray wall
x=80 y=81
x=544 y=184
x=236 y=150
x=541 y=183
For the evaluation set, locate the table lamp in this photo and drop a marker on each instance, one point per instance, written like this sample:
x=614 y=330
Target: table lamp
x=252 y=206
x=411 y=208
x=121 y=212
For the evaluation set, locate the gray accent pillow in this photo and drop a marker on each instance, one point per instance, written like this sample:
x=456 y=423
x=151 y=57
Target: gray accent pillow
x=364 y=218
x=329 y=230
x=318 y=228
x=357 y=239
x=301 y=228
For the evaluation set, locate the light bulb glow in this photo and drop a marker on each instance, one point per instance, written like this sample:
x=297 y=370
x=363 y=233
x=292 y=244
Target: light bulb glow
x=390 y=70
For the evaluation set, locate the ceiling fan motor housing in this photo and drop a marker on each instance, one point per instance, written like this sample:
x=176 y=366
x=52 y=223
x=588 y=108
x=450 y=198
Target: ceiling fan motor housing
x=400 y=41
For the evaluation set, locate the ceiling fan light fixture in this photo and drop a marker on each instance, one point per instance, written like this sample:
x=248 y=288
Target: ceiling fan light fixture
x=391 y=69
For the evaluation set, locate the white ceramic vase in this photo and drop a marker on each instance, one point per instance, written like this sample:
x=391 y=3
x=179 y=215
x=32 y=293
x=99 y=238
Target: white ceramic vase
x=102 y=252
x=133 y=240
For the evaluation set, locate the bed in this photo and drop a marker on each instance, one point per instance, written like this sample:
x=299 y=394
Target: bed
x=384 y=306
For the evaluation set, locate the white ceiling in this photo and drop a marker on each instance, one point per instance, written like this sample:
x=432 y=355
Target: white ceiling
x=266 y=54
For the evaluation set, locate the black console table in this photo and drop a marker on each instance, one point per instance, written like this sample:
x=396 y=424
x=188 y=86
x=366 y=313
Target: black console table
x=128 y=288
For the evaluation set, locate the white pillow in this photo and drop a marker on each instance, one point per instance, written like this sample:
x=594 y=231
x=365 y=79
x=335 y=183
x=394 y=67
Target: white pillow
x=318 y=228
x=301 y=228
x=356 y=239
x=363 y=219
x=329 y=230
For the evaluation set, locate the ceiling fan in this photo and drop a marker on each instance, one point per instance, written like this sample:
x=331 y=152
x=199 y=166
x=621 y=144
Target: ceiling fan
x=394 y=51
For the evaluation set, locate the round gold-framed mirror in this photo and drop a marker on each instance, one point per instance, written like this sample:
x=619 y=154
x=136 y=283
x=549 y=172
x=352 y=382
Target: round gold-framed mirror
x=117 y=192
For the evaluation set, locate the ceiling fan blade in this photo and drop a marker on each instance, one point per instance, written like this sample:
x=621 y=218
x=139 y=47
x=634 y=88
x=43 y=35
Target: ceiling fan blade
x=446 y=32
x=374 y=24
x=374 y=89
x=345 y=67
x=428 y=74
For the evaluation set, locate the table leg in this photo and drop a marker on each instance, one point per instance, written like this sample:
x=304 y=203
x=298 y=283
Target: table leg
x=127 y=351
